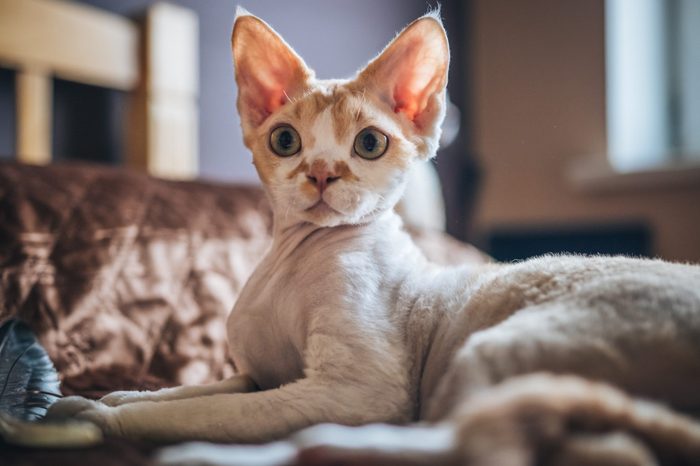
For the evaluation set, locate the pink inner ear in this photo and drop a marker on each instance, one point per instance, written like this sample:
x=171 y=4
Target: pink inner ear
x=267 y=70
x=416 y=79
x=407 y=106
x=275 y=99
x=412 y=91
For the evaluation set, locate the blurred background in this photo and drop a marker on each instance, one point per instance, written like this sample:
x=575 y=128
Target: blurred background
x=575 y=126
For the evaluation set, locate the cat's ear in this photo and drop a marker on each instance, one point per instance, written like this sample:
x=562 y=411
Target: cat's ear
x=411 y=73
x=268 y=72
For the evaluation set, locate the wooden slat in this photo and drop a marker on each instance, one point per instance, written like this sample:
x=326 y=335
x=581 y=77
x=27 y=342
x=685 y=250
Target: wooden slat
x=34 y=104
x=164 y=126
x=75 y=42
x=173 y=45
x=173 y=138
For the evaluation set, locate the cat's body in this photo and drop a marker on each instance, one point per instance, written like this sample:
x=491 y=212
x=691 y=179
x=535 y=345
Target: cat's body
x=345 y=321
x=402 y=320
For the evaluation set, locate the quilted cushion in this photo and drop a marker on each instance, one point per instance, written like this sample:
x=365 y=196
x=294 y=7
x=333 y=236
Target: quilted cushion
x=125 y=278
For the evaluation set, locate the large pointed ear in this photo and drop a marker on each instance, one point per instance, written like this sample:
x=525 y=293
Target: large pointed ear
x=410 y=74
x=268 y=72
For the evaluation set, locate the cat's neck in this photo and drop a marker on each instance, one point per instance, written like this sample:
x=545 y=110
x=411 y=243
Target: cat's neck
x=286 y=238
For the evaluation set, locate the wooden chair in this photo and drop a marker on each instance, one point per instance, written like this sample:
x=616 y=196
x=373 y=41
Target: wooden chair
x=154 y=60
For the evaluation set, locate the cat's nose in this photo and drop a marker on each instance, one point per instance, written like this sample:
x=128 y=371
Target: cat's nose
x=321 y=178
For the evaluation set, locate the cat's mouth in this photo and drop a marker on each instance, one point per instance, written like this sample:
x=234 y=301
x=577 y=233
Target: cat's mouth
x=321 y=208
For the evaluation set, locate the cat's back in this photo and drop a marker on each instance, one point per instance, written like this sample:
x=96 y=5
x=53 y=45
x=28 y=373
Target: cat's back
x=561 y=302
x=553 y=277
x=575 y=287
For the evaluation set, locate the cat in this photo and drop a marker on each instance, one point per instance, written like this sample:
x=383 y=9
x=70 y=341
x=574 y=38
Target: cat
x=345 y=322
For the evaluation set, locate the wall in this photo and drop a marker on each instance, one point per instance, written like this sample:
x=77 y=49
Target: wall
x=335 y=37
x=539 y=105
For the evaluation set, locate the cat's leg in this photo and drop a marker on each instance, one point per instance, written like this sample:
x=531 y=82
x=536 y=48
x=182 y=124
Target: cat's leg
x=558 y=419
x=244 y=417
x=235 y=384
x=347 y=383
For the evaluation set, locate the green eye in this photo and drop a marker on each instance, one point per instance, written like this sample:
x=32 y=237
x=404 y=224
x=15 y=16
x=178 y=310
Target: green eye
x=370 y=143
x=285 y=141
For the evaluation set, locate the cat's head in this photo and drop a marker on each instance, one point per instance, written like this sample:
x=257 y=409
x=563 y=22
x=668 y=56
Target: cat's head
x=338 y=152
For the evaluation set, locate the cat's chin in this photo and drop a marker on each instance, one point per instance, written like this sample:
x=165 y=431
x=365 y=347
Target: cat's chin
x=323 y=215
x=333 y=218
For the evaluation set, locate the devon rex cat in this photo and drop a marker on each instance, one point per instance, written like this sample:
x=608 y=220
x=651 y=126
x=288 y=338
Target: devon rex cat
x=345 y=322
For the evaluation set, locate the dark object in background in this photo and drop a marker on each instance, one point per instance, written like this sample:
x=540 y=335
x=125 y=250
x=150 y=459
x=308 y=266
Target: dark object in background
x=628 y=239
x=88 y=123
x=28 y=380
x=7 y=113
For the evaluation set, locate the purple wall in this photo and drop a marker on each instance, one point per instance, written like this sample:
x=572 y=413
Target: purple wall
x=334 y=37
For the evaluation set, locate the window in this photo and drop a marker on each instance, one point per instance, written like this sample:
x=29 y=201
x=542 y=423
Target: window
x=653 y=82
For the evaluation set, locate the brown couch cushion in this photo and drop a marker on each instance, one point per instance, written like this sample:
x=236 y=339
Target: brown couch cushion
x=124 y=277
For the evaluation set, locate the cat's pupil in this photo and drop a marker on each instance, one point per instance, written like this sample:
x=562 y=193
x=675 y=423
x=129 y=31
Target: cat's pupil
x=285 y=140
x=369 y=142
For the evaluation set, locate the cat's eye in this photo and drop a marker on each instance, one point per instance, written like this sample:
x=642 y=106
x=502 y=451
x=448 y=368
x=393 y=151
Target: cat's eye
x=370 y=143
x=285 y=141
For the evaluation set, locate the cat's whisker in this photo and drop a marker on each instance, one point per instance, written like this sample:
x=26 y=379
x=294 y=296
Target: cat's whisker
x=359 y=107
x=289 y=99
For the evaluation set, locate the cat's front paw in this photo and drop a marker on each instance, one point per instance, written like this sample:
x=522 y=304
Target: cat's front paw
x=77 y=407
x=69 y=407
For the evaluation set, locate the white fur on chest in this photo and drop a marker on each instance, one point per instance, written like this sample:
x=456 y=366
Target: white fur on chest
x=266 y=329
x=344 y=279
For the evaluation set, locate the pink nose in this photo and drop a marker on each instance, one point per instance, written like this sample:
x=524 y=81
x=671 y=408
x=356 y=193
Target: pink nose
x=320 y=177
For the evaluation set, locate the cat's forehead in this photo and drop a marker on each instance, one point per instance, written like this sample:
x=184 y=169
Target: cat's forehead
x=339 y=109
